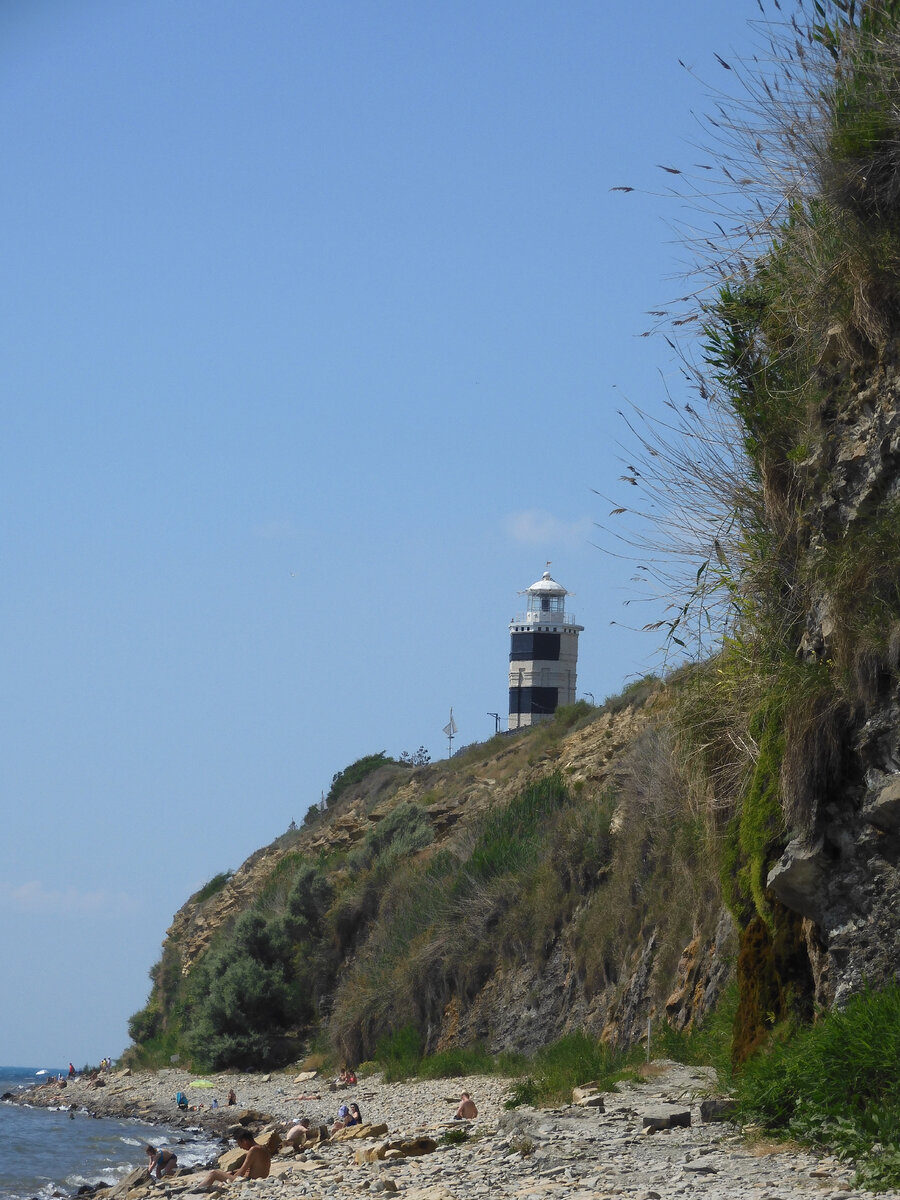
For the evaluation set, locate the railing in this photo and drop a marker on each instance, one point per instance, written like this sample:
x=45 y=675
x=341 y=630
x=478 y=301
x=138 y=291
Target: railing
x=544 y=618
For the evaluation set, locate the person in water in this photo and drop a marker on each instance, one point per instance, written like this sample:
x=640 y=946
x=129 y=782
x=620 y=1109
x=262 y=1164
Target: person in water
x=256 y=1165
x=163 y=1162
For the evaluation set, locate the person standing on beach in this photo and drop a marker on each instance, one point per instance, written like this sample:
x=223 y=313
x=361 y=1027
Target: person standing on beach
x=256 y=1164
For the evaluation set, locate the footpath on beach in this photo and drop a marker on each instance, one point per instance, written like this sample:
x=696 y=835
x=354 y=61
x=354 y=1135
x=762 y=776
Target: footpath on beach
x=647 y=1140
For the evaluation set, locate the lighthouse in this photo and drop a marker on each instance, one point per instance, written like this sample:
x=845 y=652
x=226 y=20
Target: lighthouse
x=543 y=654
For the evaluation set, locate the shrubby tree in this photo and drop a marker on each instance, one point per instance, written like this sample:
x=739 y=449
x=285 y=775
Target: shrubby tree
x=245 y=998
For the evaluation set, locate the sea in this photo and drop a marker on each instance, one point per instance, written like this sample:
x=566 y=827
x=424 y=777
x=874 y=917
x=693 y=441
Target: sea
x=45 y=1153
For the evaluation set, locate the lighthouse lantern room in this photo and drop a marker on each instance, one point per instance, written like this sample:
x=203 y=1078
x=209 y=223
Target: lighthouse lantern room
x=543 y=654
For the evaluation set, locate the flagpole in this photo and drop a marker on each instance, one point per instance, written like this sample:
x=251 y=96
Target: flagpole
x=450 y=730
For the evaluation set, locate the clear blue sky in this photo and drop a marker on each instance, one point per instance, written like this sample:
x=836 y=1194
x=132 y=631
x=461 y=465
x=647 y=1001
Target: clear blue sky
x=315 y=322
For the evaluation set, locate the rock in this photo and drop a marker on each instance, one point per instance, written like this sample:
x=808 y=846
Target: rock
x=415 y=1147
x=884 y=810
x=588 y=1095
x=665 y=1116
x=251 y=1116
x=305 y=1076
x=270 y=1138
x=720 y=1109
x=232 y=1159
x=370 y=1154
x=437 y=1191
x=796 y=879
x=353 y=1132
x=134 y=1179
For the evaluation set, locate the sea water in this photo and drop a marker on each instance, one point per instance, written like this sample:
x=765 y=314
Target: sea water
x=45 y=1152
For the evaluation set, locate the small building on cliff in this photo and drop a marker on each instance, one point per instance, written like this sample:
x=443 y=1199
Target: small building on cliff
x=543 y=655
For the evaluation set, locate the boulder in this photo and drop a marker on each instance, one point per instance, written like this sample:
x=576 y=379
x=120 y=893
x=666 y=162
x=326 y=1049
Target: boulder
x=352 y=1132
x=270 y=1138
x=305 y=1076
x=132 y=1180
x=232 y=1159
x=884 y=810
x=797 y=877
x=720 y=1109
x=588 y=1096
x=665 y=1116
x=414 y=1147
x=370 y=1154
x=251 y=1116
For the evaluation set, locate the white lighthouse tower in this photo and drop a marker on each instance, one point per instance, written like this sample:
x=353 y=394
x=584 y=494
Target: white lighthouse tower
x=543 y=654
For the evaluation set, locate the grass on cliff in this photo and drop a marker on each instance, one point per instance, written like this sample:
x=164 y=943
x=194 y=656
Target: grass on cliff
x=544 y=1079
x=835 y=1084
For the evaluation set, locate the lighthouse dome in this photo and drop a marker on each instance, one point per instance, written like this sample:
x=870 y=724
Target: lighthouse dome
x=547 y=586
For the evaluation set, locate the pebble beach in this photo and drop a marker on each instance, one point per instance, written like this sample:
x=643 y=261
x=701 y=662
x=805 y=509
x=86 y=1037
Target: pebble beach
x=647 y=1141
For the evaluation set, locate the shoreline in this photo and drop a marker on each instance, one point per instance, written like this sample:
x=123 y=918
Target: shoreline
x=276 y=1097
x=624 y=1147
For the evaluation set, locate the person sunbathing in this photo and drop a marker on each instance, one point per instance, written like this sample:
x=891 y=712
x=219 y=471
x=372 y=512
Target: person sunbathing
x=467 y=1110
x=342 y=1120
x=256 y=1165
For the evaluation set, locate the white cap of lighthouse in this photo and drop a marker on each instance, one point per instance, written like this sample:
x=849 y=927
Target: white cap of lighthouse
x=543 y=654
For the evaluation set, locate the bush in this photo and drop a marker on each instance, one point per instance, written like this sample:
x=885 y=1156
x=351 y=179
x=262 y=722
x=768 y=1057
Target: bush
x=355 y=773
x=243 y=1004
x=835 y=1084
x=399 y=1054
x=568 y=1063
x=210 y=888
x=453 y=1064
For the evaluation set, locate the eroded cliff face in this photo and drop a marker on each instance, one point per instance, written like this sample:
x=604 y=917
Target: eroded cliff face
x=842 y=871
x=668 y=948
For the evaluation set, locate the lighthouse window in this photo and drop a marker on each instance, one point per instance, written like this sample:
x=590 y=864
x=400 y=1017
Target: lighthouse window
x=534 y=700
x=538 y=645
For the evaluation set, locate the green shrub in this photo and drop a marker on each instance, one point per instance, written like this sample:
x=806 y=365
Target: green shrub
x=210 y=888
x=568 y=1063
x=454 y=1137
x=243 y=1000
x=509 y=837
x=835 y=1084
x=453 y=1064
x=399 y=1054
x=405 y=830
x=355 y=773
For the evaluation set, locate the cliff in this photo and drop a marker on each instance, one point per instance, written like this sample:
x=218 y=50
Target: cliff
x=621 y=863
x=594 y=904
